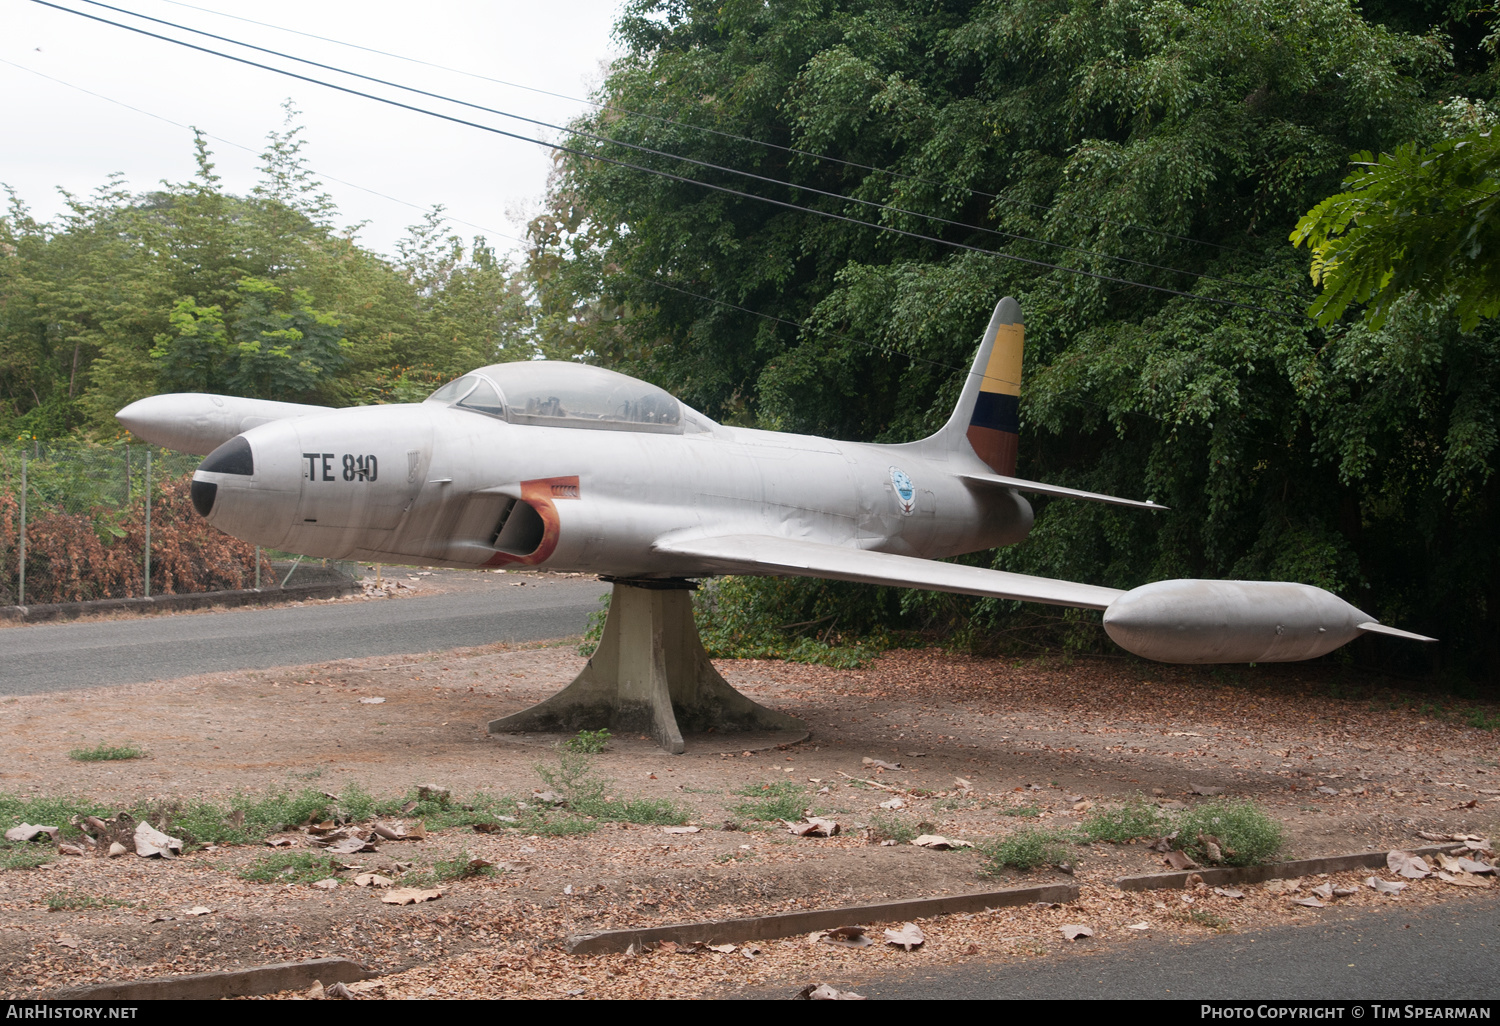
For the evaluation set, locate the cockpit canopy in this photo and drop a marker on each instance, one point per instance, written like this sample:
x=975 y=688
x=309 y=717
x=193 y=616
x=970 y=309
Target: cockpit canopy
x=553 y=393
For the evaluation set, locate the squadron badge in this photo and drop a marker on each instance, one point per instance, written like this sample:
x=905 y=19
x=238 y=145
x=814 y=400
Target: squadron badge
x=906 y=492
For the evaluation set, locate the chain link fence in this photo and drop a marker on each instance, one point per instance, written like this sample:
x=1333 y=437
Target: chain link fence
x=81 y=522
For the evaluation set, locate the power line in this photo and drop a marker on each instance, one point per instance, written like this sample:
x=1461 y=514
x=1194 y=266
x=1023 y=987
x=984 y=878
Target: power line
x=801 y=326
x=885 y=207
x=683 y=124
x=1080 y=272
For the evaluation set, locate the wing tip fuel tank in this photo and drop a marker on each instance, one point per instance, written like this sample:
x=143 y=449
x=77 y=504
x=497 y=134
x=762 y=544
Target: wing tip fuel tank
x=1235 y=622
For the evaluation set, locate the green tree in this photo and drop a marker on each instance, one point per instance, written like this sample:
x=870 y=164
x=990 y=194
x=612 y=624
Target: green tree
x=1149 y=142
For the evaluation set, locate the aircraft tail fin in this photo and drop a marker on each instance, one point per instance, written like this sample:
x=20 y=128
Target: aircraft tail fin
x=986 y=418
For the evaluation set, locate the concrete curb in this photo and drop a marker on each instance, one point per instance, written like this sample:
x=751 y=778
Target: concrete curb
x=173 y=603
x=265 y=979
x=718 y=931
x=1274 y=871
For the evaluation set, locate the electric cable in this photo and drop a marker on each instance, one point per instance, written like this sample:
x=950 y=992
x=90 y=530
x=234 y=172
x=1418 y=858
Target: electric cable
x=1079 y=272
x=884 y=207
x=691 y=127
x=489 y=232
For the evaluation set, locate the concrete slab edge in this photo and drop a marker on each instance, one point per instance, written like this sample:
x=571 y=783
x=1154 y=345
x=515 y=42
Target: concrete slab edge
x=167 y=603
x=265 y=979
x=789 y=924
x=1272 y=871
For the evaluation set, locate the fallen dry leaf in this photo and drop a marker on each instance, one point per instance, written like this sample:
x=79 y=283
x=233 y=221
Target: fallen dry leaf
x=1072 y=931
x=198 y=910
x=937 y=842
x=844 y=936
x=27 y=832
x=1385 y=886
x=1139 y=926
x=67 y=941
x=723 y=949
x=1179 y=860
x=879 y=764
x=70 y=849
x=350 y=846
x=1206 y=791
x=410 y=895
x=1229 y=892
x=1463 y=879
x=371 y=701
x=823 y=992
x=372 y=880
x=812 y=826
x=908 y=937
x=680 y=830
x=1309 y=902
x=893 y=803
x=150 y=842
x=329 y=884
x=1404 y=863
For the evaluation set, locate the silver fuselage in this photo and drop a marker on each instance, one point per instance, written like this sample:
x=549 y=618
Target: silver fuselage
x=443 y=480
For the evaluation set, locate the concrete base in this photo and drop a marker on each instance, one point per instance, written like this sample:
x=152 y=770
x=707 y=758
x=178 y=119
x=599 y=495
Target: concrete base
x=650 y=675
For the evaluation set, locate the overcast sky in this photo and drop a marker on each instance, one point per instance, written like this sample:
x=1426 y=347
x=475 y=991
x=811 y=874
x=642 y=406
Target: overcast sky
x=53 y=134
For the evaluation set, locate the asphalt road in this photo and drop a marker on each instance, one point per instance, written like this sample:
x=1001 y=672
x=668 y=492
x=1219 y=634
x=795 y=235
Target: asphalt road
x=57 y=657
x=1447 y=952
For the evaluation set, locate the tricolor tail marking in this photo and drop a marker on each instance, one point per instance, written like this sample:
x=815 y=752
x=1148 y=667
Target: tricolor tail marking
x=994 y=427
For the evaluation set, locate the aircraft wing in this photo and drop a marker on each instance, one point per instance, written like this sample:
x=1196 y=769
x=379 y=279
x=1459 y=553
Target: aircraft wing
x=766 y=554
x=1020 y=484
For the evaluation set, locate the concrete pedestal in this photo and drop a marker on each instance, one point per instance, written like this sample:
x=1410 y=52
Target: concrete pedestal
x=650 y=675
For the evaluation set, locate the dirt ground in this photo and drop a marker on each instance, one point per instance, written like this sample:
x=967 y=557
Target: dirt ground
x=1345 y=764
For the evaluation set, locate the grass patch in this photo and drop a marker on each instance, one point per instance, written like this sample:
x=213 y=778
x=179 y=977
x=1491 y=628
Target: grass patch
x=1247 y=836
x=106 y=753
x=1484 y=719
x=1244 y=833
x=1122 y=824
x=1028 y=811
x=780 y=799
x=587 y=793
x=26 y=858
x=77 y=901
x=893 y=828
x=291 y=867
x=1027 y=848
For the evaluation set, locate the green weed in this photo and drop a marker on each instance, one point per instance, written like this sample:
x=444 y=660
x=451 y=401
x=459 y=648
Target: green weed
x=291 y=867
x=1484 y=719
x=1027 y=848
x=1124 y=823
x=27 y=857
x=1028 y=811
x=588 y=742
x=892 y=828
x=780 y=799
x=77 y=901
x=106 y=753
x=1246 y=835
x=587 y=793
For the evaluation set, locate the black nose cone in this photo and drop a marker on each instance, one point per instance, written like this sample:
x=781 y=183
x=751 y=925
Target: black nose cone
x=203 y=493
x=233 y=457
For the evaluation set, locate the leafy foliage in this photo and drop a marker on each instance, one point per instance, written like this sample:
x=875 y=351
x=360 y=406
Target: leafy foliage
x=1419 y=222
x=1157 y=143
x=106 y=753
x=1027 y=848
x=779 y=799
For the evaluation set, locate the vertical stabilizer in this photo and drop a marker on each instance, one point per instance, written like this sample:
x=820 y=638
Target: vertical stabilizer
x=987 y=419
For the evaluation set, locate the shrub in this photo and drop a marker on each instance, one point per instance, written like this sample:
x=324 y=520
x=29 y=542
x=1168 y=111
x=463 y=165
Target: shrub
x=588 y=742
x=892 y=828
x=1124 y=823
x=1027 y=848
x=1246 y=835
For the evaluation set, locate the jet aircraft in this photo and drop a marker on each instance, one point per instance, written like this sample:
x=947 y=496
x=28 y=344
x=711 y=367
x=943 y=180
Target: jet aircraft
x=572 y=467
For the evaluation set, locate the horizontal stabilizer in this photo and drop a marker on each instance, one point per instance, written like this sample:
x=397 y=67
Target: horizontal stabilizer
x=1380 y=628
x=1022 y=485
x=766 y=554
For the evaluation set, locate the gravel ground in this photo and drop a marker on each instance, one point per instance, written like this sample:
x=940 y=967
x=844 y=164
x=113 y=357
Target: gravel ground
x=1344 y=763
